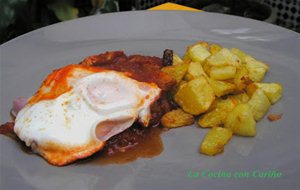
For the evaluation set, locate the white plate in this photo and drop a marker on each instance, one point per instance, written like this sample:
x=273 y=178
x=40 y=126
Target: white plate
x=26 y=60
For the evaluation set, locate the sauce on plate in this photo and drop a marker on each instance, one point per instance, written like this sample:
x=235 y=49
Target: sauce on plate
x=130 y=145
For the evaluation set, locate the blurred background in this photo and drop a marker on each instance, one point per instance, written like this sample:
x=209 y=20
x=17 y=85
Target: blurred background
x=20 y=16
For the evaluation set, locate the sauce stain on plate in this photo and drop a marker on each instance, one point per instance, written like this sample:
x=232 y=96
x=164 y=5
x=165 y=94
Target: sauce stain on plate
x=136 y=143
x=130 y=145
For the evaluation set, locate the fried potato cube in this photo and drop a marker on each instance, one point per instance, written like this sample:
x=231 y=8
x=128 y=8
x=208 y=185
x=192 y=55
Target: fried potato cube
x=224 y=104
x=177 y=118
x=259 y=104
x=215 y=140
x=214 y=48
x=222 y=73
x=242 y=79
x=182 y=83
x=206 y=67
x=204 y=44
x=186 y=58
x=241 y=54
x=240 y=120
x=227 y=104
x=214 y=118
x=272 y=90
x=177 y=87
x=251 y=88
x=218 y=111
x=195 y=96
x=176 y=59
x=221 y=88
x=198 y=52
x=195 y=70
x=241 y=98
x=176 y=71
x=224 y=58
x=257 y=69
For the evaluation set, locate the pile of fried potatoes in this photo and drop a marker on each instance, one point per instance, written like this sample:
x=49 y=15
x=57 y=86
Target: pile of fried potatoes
x=224 y=88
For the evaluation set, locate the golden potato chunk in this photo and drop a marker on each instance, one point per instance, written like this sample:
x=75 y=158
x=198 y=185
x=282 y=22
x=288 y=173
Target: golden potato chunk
x=182 y=83
x=272 y=90
x=214 y=48
x=177 y=118
x=198 y=52
x=195 y=70
x=240 y=120
x=215 y=140
x=251 y=88
x=222 y=73
x=221 y=88
x=176 y=59
x=206 y=67
x=177 y=87
x=224 y=58
x=242 y=55
x=242 y=79
x=259 y=104
x=186 y=58
x=195 y=96
x=214 y=118
x=176 y=71
x=257 y=69
x=224 y=104
x=204 y=44
x=217 y=113
x=241 y=98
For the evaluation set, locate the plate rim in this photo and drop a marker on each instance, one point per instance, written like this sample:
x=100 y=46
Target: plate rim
x=151 y=12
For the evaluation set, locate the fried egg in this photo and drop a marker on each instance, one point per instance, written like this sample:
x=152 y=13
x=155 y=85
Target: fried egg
x=78 y=108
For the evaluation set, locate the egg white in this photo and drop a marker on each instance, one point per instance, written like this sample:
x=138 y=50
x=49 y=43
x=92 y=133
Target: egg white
x=73 y=118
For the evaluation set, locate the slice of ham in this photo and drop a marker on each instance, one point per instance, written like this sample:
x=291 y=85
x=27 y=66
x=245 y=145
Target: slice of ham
x=18 y=104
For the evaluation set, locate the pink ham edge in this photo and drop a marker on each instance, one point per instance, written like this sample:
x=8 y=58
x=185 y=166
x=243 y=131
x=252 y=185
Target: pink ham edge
x=18 y=104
